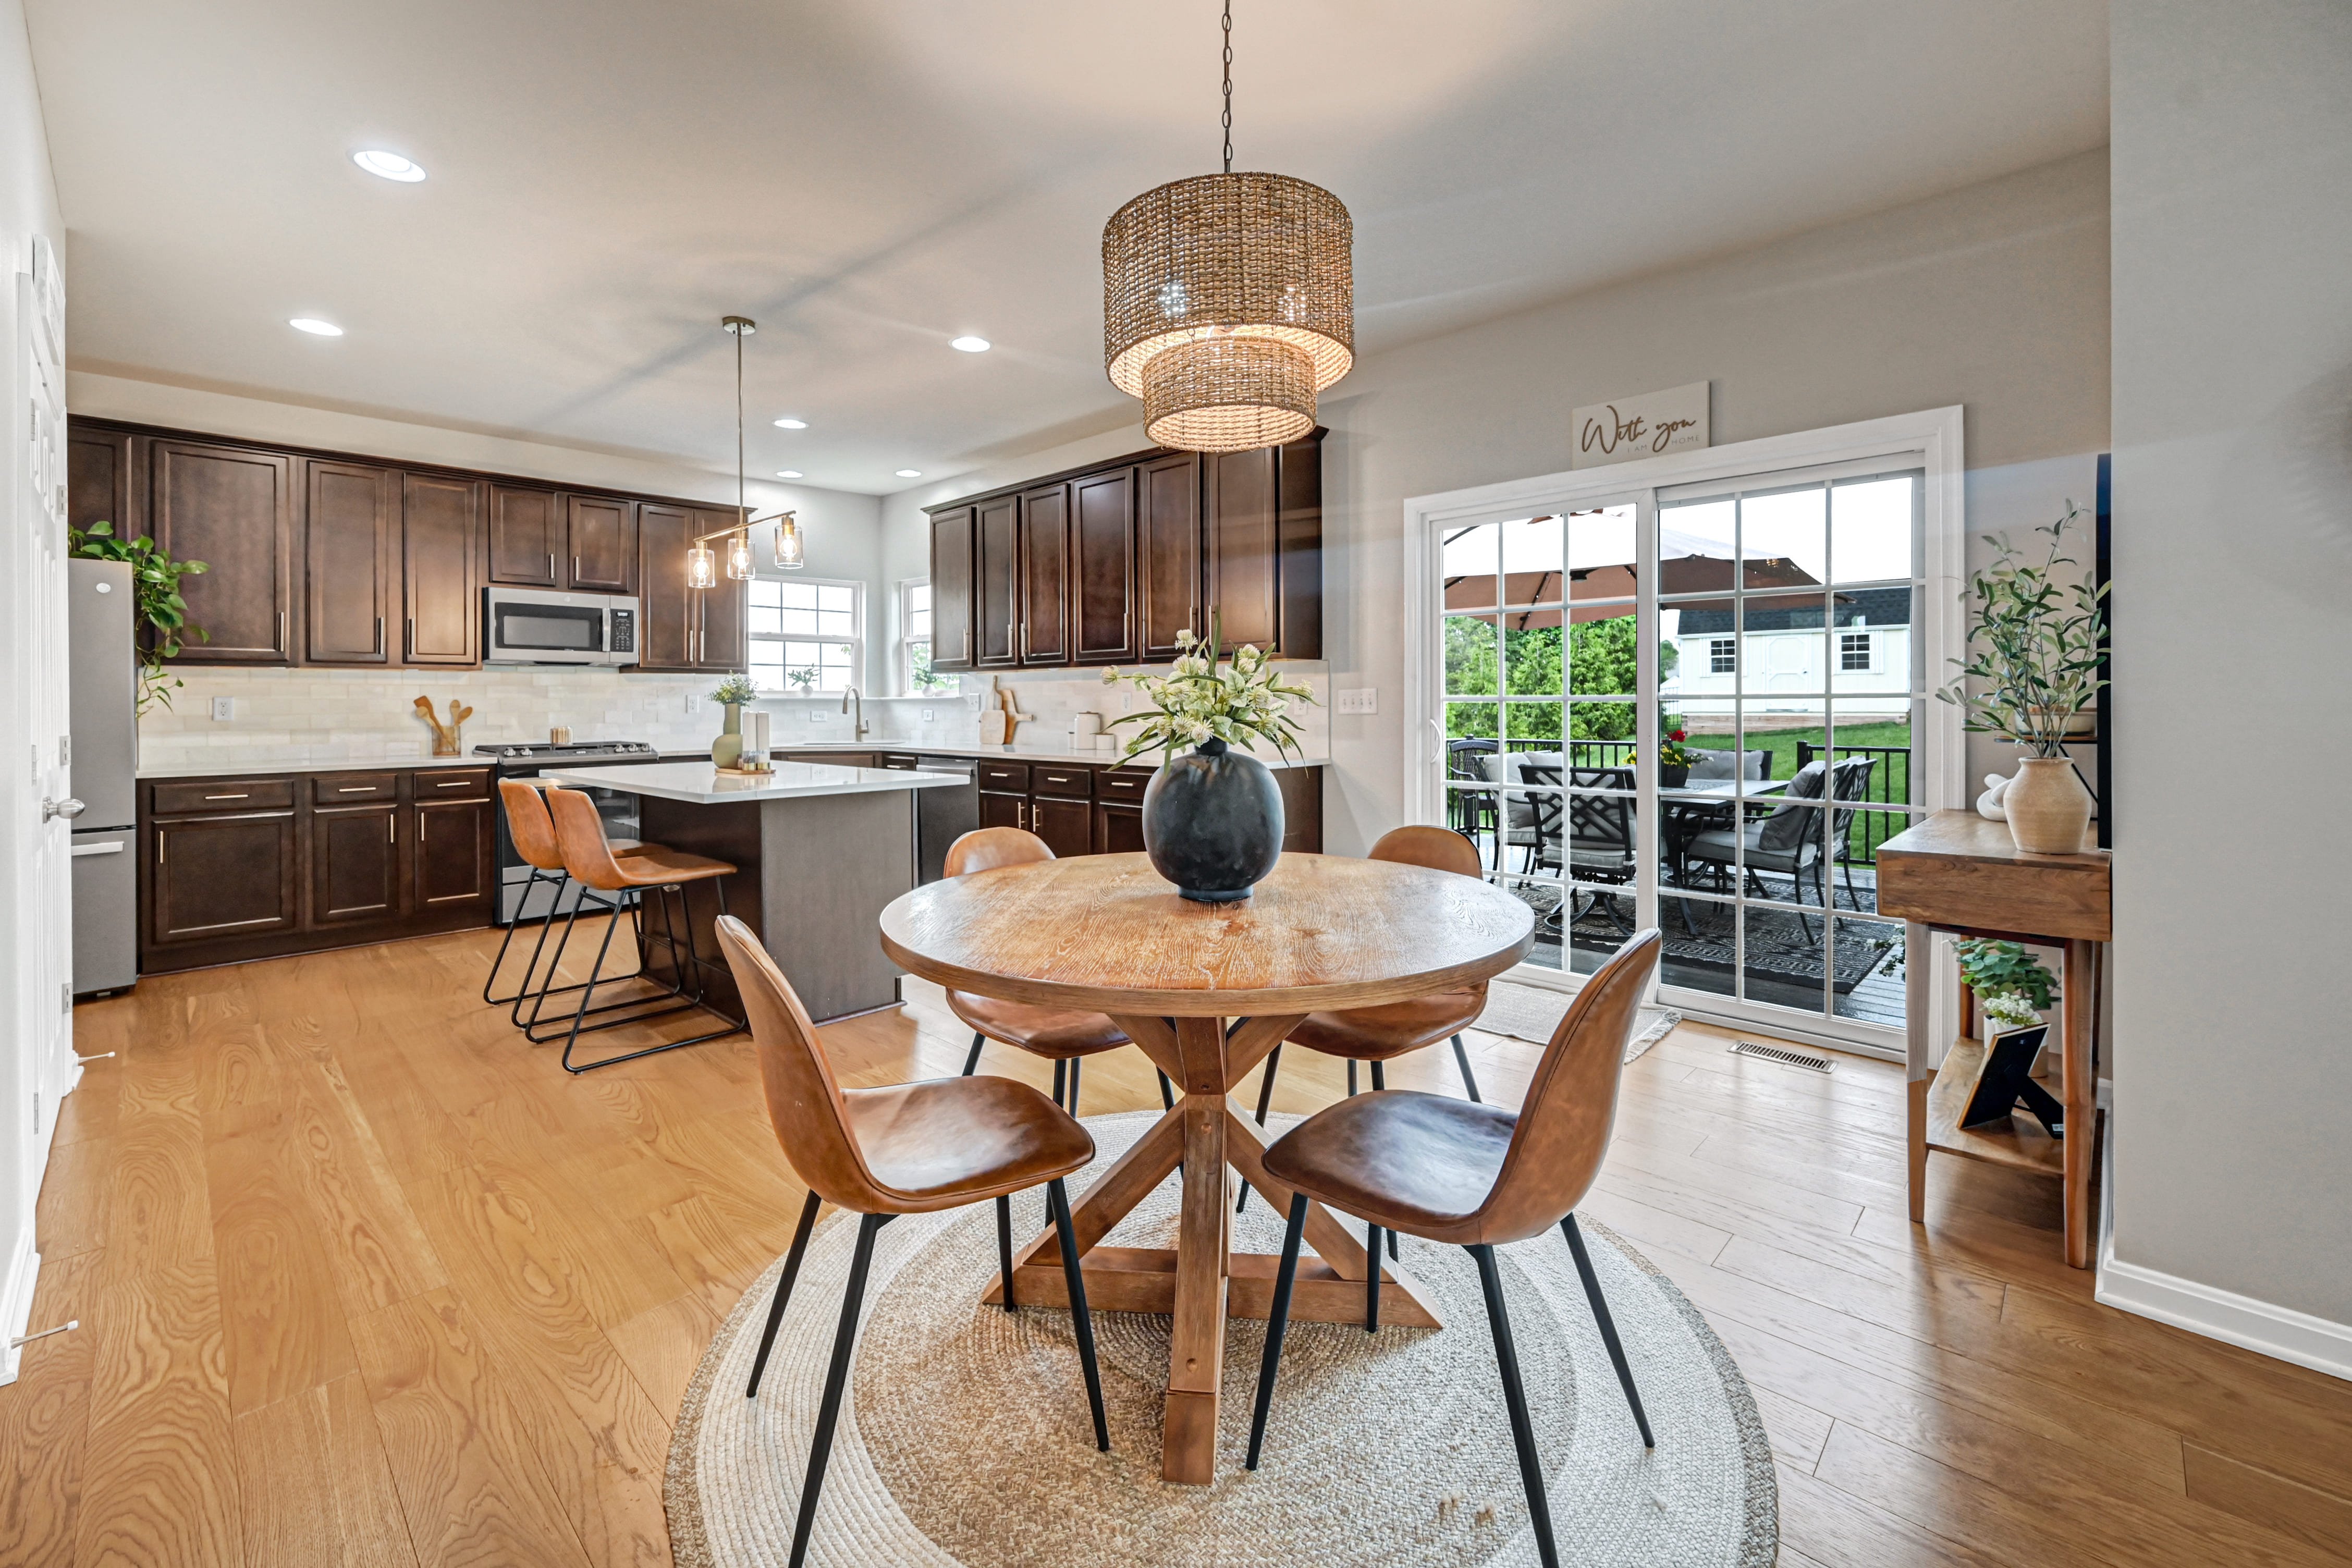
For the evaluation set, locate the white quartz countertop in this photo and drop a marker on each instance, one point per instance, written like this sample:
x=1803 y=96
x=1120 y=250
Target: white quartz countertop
x=699 y=783
x=1015 y=753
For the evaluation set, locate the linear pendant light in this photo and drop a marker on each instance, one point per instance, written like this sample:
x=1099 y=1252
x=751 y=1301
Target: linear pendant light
x=701 y=561
x=1229 y=301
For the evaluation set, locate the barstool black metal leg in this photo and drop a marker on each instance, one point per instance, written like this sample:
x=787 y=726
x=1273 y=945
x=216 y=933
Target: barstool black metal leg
x=1074 y=1278
x=1073 y=1107
x=1380 y=1077
x=589 y=990
x=1275 y=1325
x=784 y=1292
x=972 y=1061
x=1372 y=1279
x=1061 y=1078
x=1607 y=1326
x=1514 y=1397
x=491 y=981
x=1461 y=1060
x=1166 y=1093
x=836 y=1380
x=1004 y=1249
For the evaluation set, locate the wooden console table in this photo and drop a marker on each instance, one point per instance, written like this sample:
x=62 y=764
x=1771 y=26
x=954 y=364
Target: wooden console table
x=1956 y=872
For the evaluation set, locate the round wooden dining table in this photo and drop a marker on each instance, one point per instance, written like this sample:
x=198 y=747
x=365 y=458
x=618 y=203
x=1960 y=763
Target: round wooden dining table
x=1206 y=990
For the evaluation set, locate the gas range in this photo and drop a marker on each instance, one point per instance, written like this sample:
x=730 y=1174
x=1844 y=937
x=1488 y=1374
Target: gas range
x=541 y=752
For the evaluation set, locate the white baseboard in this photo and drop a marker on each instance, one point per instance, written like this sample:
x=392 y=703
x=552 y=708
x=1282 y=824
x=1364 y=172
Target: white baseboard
x=17 y=1306
x=2259 y=1326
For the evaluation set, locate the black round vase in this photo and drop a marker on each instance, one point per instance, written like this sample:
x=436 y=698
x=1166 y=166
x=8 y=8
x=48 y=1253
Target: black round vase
x=1212 y=823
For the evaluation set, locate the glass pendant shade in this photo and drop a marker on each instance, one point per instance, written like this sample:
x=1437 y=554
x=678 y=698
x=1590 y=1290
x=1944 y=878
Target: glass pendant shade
x=739 y=557
x=701 y=567
x=1244 y=285
x=788 y=544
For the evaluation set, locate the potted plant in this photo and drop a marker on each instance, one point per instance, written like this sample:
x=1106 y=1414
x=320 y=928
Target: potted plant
x=732 y=693
x=2036 y=666
x=2013 y=990
x=156 y=601
x=1675 y=759
x=1212 y=818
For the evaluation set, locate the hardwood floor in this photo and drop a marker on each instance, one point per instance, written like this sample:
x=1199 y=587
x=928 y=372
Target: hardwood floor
x=364 y=1279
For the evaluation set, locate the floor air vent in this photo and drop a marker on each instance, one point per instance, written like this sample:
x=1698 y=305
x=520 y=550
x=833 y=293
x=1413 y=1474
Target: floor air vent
x=1784 y=1056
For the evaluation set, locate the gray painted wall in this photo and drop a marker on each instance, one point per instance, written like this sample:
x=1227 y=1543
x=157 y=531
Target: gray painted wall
x=2232 y=192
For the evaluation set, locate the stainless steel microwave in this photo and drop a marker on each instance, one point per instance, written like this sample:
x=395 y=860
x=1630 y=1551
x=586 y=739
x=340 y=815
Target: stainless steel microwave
x=537 y=625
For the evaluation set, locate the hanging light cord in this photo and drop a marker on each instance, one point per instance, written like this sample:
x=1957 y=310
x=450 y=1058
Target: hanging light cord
x=1229 y=86
x=738 y=423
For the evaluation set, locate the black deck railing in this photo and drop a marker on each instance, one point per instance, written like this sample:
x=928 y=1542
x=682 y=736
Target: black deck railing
x=1889 y=782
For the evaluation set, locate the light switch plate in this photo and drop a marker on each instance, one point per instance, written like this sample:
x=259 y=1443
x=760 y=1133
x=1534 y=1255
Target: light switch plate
x=1362 y=699
x=927 y=714
x=972 y=700
x=224 y=708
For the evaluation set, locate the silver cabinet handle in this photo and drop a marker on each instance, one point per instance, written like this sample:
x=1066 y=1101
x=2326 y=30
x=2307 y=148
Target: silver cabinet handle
x=551 y=565
x=575 y=569
x=348 y=789
x=379 y=637
x=228 y=797
x=392 y=827
x=284 y=645
x=114 y=848
x=409 y=646
x=456 y=783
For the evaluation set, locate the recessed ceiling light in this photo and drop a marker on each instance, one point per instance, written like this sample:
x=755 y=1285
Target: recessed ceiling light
x=391 y=165
x=788 y=473
x=313 y=325
x=792 y=424
x=910 y=473
x=970 y=346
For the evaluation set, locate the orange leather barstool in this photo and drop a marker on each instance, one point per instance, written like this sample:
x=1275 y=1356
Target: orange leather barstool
x=912 y=1148
x=1454 y=1171
x=1064 y=1036
x=532 y=832
x=589 y=861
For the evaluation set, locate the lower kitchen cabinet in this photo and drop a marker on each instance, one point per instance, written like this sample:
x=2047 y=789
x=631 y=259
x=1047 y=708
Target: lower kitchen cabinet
x=245 y=867
x=1003 y=810
x=1118 y=829
x=1066 y=826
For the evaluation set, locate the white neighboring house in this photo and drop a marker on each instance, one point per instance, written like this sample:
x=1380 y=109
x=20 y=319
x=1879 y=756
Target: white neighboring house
x=1865 y=662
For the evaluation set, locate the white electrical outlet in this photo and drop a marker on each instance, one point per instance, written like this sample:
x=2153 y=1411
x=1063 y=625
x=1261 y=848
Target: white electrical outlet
x=1362 y=699
x=816 y=715
x=224 y=708
x=685 y=703
x=972 y=700
x=926 y=715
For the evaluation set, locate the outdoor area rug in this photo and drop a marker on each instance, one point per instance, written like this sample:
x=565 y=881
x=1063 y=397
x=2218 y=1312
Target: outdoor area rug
x=966 y=1442
x=1534 y=1012
x=1778 y=944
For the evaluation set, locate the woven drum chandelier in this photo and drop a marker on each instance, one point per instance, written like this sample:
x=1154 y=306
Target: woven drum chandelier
x=1228 y=302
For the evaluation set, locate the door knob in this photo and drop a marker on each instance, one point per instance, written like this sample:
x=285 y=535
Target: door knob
x=67 y=808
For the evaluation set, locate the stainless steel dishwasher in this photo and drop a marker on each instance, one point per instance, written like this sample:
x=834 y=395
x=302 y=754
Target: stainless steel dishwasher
x=943 y=814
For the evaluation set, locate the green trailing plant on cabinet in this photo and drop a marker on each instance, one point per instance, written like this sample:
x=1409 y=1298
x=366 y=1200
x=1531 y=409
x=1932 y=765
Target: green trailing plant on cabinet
x=155 y=585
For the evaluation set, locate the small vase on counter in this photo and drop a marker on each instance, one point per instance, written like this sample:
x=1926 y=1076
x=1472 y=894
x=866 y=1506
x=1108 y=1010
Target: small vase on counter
x=732 y=694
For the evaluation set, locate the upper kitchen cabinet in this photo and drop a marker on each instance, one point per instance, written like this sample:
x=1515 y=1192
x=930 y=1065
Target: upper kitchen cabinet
x=997 y=581
x=98 y=480
x=350 y=557
x=600 y=533
x=1265 y=547
x=526 y=536
x=1045 y=617
x=440 y=534
x=233 y=509
x=722 y=610
x=1102 y=569
x=1168 y=541
x=679 y=627
x=951 y=587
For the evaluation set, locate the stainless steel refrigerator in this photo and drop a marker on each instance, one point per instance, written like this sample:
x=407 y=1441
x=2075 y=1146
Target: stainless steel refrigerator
x=103 y=643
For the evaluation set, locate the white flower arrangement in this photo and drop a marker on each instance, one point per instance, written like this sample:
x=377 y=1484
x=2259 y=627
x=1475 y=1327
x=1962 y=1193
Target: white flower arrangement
x=1197 y=702
x=2010 y=1010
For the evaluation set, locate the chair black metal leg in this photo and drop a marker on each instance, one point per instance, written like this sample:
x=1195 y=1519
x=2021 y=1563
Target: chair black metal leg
x=1004 y=1249
x=784 y=1292
x=1166 y=1093
x=1461 y=1060
x=1607 y=1326
x=1275 y=1324
x=1351 y=1077
x=1380 y=1077
x=1372 y=1279
x=1514 y=1398
x=836 y=1380
x=1392 y=1246
x=1073 y=1107
x=972 y=1061
x=1061 y=1078
x=1058 y=1199
x=1265 y=1102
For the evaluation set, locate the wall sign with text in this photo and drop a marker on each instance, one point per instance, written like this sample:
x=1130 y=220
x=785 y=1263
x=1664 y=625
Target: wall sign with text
x=1649 y=426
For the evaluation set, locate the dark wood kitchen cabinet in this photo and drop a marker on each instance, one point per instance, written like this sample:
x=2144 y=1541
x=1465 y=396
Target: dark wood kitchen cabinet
x=225 y=874
x=997 y=581
x=682 y=628
x=1102 y=569
x=354 y=863
x=349 y=558
x=722 y=611
x=526 y=536
x=1045 y=613
x=1067 y=826
x=1168 y=537
x=600 y=533
x=456 y=844
x=440 y=534
x=98 y=480
x=231 y=508
x=952 y=627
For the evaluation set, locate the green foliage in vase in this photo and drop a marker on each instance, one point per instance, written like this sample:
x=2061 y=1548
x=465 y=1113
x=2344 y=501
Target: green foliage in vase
x=155 y=594
x=735 y=690
x=1195 y=701
x=2011 y=982
x=2037 y=644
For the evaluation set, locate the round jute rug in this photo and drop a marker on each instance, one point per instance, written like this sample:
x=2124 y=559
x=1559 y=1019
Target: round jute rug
x=966 y=1442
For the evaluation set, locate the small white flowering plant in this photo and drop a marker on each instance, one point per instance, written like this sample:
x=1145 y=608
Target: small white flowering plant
x=1197 y=701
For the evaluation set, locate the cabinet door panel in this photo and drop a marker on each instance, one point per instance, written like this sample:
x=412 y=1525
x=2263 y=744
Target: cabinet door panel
x=602 y=536
x=440 y=528
x=1301 y=530
x=951 y=586
x=1118 y=829
x=354 y=864
x=1003 y=810
x=1102 y=569
x=526 y=529
x=231 y=508
x=1245 y=547
x=997 y=568
x=453 y=845
x=1167 y=529
x=223 y=875
x=1067 y=826
x=665 y=608
x=1045 y=597
x=98 y=480
x=722 y=610
x=347 y=560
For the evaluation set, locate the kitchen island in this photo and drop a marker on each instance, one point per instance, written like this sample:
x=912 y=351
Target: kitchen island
x=819 y=851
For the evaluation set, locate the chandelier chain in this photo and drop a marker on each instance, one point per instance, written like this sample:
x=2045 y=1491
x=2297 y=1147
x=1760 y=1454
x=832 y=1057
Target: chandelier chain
x=1229 y=86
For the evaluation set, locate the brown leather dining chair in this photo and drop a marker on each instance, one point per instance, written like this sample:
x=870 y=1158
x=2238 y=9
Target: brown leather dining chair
x=1063 y=1034
x=589 y=861
x=1454 y=1171
x=532 y=832
x=911 y=1148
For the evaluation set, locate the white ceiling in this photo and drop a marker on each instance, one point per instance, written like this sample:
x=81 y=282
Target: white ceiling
x=868 y=180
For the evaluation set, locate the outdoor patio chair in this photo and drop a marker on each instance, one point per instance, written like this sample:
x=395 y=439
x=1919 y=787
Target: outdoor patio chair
x=1597 y=837
x=1788 y=843
x=1519 y=813
x=1711 y=764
